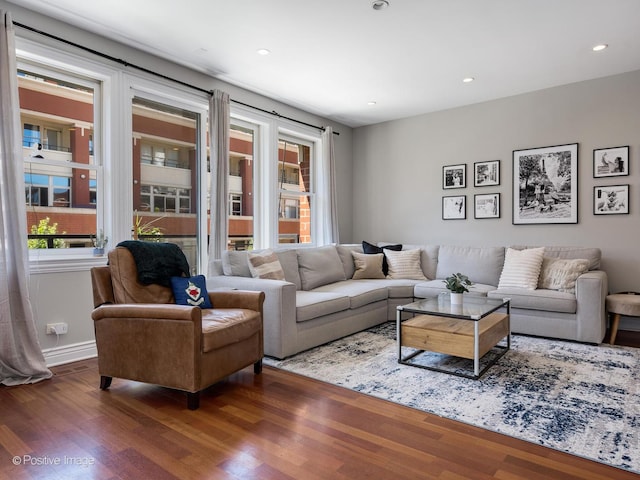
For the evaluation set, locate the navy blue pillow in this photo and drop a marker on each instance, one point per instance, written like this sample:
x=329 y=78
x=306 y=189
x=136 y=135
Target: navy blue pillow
x=191 y=291
x=370 y=248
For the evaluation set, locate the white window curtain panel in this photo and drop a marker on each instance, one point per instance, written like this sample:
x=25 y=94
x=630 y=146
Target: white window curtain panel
x=21 y=359
x=219 y=125
x=329 y=193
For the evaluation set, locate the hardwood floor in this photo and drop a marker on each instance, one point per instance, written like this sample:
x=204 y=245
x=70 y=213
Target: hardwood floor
x=272 y=426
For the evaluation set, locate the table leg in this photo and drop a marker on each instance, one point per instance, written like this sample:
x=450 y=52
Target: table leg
x=476 y=348
x=399 y=333
x=615 y=321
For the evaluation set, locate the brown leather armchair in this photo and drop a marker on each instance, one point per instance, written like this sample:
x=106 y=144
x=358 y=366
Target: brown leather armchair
x=142 y=335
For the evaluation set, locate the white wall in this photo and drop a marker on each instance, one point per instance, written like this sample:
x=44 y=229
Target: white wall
x=67 y=297
x=398 y=170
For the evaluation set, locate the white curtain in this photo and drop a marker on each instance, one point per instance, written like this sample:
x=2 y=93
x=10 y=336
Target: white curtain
x=329 y=193
x=21 y=359
x=219 y=124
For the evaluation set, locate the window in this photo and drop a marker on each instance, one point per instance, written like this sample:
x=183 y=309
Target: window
x=166 y=172
x=273 y=170
x=295 y=190
x=61 y=172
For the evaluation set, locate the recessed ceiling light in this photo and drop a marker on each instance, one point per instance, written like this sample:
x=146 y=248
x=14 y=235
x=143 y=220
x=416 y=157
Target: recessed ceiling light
x=263 y=51
x=599 y=48
x=371 y=103
x=468 y=79
x=379 y=4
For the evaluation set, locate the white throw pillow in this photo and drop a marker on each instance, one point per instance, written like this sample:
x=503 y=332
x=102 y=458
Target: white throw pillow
x=265 y=264
x=404 y=264
x=561 y=274
x=521 y=268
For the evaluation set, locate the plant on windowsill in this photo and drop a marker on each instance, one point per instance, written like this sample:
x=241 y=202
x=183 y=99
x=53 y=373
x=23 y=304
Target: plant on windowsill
x=457 y=284
x=99 y=243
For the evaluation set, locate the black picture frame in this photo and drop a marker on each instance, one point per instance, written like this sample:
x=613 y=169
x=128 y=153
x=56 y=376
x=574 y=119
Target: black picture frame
x=454 y=176
x=611 y=199
x=486 y=205
x=454 y=207
x=545 y=185
x=611 y=162
x=486 y=174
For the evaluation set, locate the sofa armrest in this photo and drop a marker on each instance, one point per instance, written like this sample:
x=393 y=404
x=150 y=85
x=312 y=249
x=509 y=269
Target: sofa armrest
x=591 y=293
x=279 y=310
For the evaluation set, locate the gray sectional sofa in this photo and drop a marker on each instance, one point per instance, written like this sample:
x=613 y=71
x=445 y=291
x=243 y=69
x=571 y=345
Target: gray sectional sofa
x=318 y=301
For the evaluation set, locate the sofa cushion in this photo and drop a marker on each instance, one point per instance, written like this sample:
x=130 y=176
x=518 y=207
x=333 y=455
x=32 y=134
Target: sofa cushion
x=344 y=252
x=541 y=299
x=592 y=254
x=310 y=305
x=367 y=266
x=404 y=264
x=561 y=274
x=222 y=327
x=370 y=248
x=360 y=293
x=265 y=264
x=433 y=288
x=521 y=268
x=235 y=263
x=480 y=264
x=289 y=262
x=191 y=291
x=319 y=266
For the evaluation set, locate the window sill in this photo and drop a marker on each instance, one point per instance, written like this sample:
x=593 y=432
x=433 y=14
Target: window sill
x=64 y=263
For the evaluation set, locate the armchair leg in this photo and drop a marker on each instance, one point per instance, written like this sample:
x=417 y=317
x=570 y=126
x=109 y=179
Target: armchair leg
x=105 y=382
x=257 y=367
x=193 y=400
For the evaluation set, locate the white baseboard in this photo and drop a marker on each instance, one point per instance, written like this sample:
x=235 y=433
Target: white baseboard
x=70 y=353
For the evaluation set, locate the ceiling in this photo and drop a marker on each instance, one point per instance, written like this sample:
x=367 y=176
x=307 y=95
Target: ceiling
x=334 y=57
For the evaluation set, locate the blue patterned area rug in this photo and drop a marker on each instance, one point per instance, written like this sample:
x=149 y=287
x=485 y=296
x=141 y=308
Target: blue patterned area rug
x=580 y=399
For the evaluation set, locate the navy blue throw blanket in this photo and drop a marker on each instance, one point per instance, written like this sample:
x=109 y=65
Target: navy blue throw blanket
x=157 y=262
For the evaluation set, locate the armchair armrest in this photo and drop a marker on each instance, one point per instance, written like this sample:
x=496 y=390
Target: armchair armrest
x=147 y=311
x=251 y=300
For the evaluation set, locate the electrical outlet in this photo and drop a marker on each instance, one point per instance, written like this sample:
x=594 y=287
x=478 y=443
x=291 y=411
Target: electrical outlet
x=57 y=328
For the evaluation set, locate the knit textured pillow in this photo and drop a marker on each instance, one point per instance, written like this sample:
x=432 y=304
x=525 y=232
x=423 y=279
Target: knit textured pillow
x=404 y=264
x=265 y=264
x=561 y=274
x=521 y=268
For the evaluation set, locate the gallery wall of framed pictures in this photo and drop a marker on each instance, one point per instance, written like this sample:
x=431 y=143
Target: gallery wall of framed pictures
x=544 y=185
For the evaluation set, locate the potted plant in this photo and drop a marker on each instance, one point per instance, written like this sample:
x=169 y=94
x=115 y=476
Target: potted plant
x=99 y=243
x=457 y=284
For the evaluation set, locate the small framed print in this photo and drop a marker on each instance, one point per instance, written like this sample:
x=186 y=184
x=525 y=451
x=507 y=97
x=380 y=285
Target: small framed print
x=486 y=173
x=454 y=176
x=454 y=207
x=487 y=205
x=611 y=200
x=611 y=162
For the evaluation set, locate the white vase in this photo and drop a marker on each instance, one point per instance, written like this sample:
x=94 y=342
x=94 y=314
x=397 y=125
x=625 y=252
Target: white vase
x=456 y=298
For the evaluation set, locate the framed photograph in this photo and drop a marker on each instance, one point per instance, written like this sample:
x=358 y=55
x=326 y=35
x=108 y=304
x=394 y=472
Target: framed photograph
x=454 y=176
x=611 y=200
x=454 y=207
x=487 y=205
x=486 y=173
x=611 y=162
x=545 y=185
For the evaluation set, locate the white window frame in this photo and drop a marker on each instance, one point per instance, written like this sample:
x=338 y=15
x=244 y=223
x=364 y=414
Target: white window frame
x=42 y=59
x=269 y=130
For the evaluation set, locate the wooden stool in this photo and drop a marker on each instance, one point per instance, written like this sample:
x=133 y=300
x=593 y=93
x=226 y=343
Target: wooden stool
x=627 y=304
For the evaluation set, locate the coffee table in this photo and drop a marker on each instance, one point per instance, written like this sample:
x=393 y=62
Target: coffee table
x=468 y=330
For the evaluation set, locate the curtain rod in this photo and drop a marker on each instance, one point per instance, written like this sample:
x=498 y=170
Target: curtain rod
x=160 y=75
